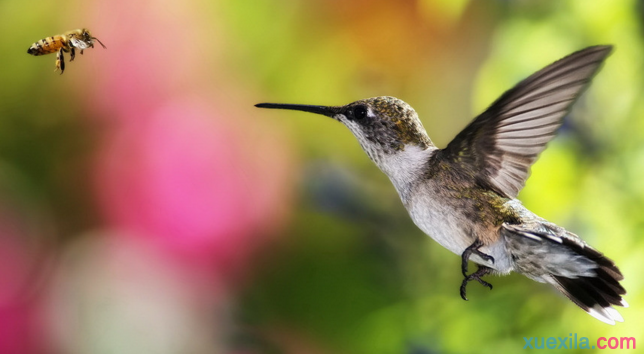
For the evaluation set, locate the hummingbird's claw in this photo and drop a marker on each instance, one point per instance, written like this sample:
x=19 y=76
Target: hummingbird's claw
x=473 y=248
x=483 y=270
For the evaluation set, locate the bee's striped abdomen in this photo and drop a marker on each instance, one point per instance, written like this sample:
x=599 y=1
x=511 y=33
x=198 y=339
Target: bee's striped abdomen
x=47 y=45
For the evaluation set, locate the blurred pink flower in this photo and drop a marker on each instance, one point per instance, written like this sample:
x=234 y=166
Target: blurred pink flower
x=182 y=166
x=21 y=330
x=187 y=182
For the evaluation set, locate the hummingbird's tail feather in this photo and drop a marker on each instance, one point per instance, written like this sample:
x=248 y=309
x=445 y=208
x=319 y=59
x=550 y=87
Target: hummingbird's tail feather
x=594 y=295
x=605 y=265
x=546 y=252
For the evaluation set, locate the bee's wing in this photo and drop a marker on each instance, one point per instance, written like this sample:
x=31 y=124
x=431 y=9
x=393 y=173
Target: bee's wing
x=503 y=142
x=80 y=44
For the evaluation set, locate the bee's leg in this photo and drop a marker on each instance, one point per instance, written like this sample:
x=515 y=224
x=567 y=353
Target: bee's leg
x=81 y=52
x=60 y=61
x=72 y=53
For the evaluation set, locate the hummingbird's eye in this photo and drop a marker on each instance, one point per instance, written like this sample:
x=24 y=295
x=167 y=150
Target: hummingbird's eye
x=359 y=112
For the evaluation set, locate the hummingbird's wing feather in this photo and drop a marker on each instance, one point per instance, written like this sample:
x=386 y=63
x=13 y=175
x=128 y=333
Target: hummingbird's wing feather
x=503 y=142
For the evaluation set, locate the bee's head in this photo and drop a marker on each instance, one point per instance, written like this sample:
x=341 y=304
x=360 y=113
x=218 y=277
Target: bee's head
x=86 y=36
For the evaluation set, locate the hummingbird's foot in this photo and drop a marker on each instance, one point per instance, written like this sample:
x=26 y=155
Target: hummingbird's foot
x=483 y=270
x=473 y=248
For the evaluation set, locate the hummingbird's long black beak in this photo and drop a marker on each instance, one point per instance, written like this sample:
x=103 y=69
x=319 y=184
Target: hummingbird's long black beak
x=323 y=110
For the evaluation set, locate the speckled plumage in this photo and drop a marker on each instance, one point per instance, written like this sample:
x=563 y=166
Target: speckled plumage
x=396 y=118
x=463 y=196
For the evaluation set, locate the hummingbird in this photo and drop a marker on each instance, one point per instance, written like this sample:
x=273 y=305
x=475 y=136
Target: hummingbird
x=464 y=196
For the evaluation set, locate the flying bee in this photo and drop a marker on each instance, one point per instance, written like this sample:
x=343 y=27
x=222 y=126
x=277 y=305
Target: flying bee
x=67 y=42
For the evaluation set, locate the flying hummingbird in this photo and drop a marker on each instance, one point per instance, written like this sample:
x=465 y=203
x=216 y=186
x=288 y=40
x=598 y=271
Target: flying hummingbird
x=464 y=196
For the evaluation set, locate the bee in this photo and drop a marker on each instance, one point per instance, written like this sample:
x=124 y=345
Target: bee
x=67 y=42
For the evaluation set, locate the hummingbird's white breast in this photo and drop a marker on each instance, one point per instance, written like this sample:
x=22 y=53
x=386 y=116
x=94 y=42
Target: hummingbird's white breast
x=441 y=219
x=451 y=228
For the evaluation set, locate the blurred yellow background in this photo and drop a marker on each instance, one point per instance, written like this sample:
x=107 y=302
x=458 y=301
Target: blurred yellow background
x=147 y=207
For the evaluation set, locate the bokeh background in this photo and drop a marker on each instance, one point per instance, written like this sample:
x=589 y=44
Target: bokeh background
x=147 y=207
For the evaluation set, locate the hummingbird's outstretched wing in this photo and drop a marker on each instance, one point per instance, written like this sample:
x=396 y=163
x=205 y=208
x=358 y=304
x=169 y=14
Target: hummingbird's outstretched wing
x=501 y=144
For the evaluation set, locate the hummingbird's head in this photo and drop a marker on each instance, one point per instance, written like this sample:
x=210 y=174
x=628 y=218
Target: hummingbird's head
x=384 y=126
